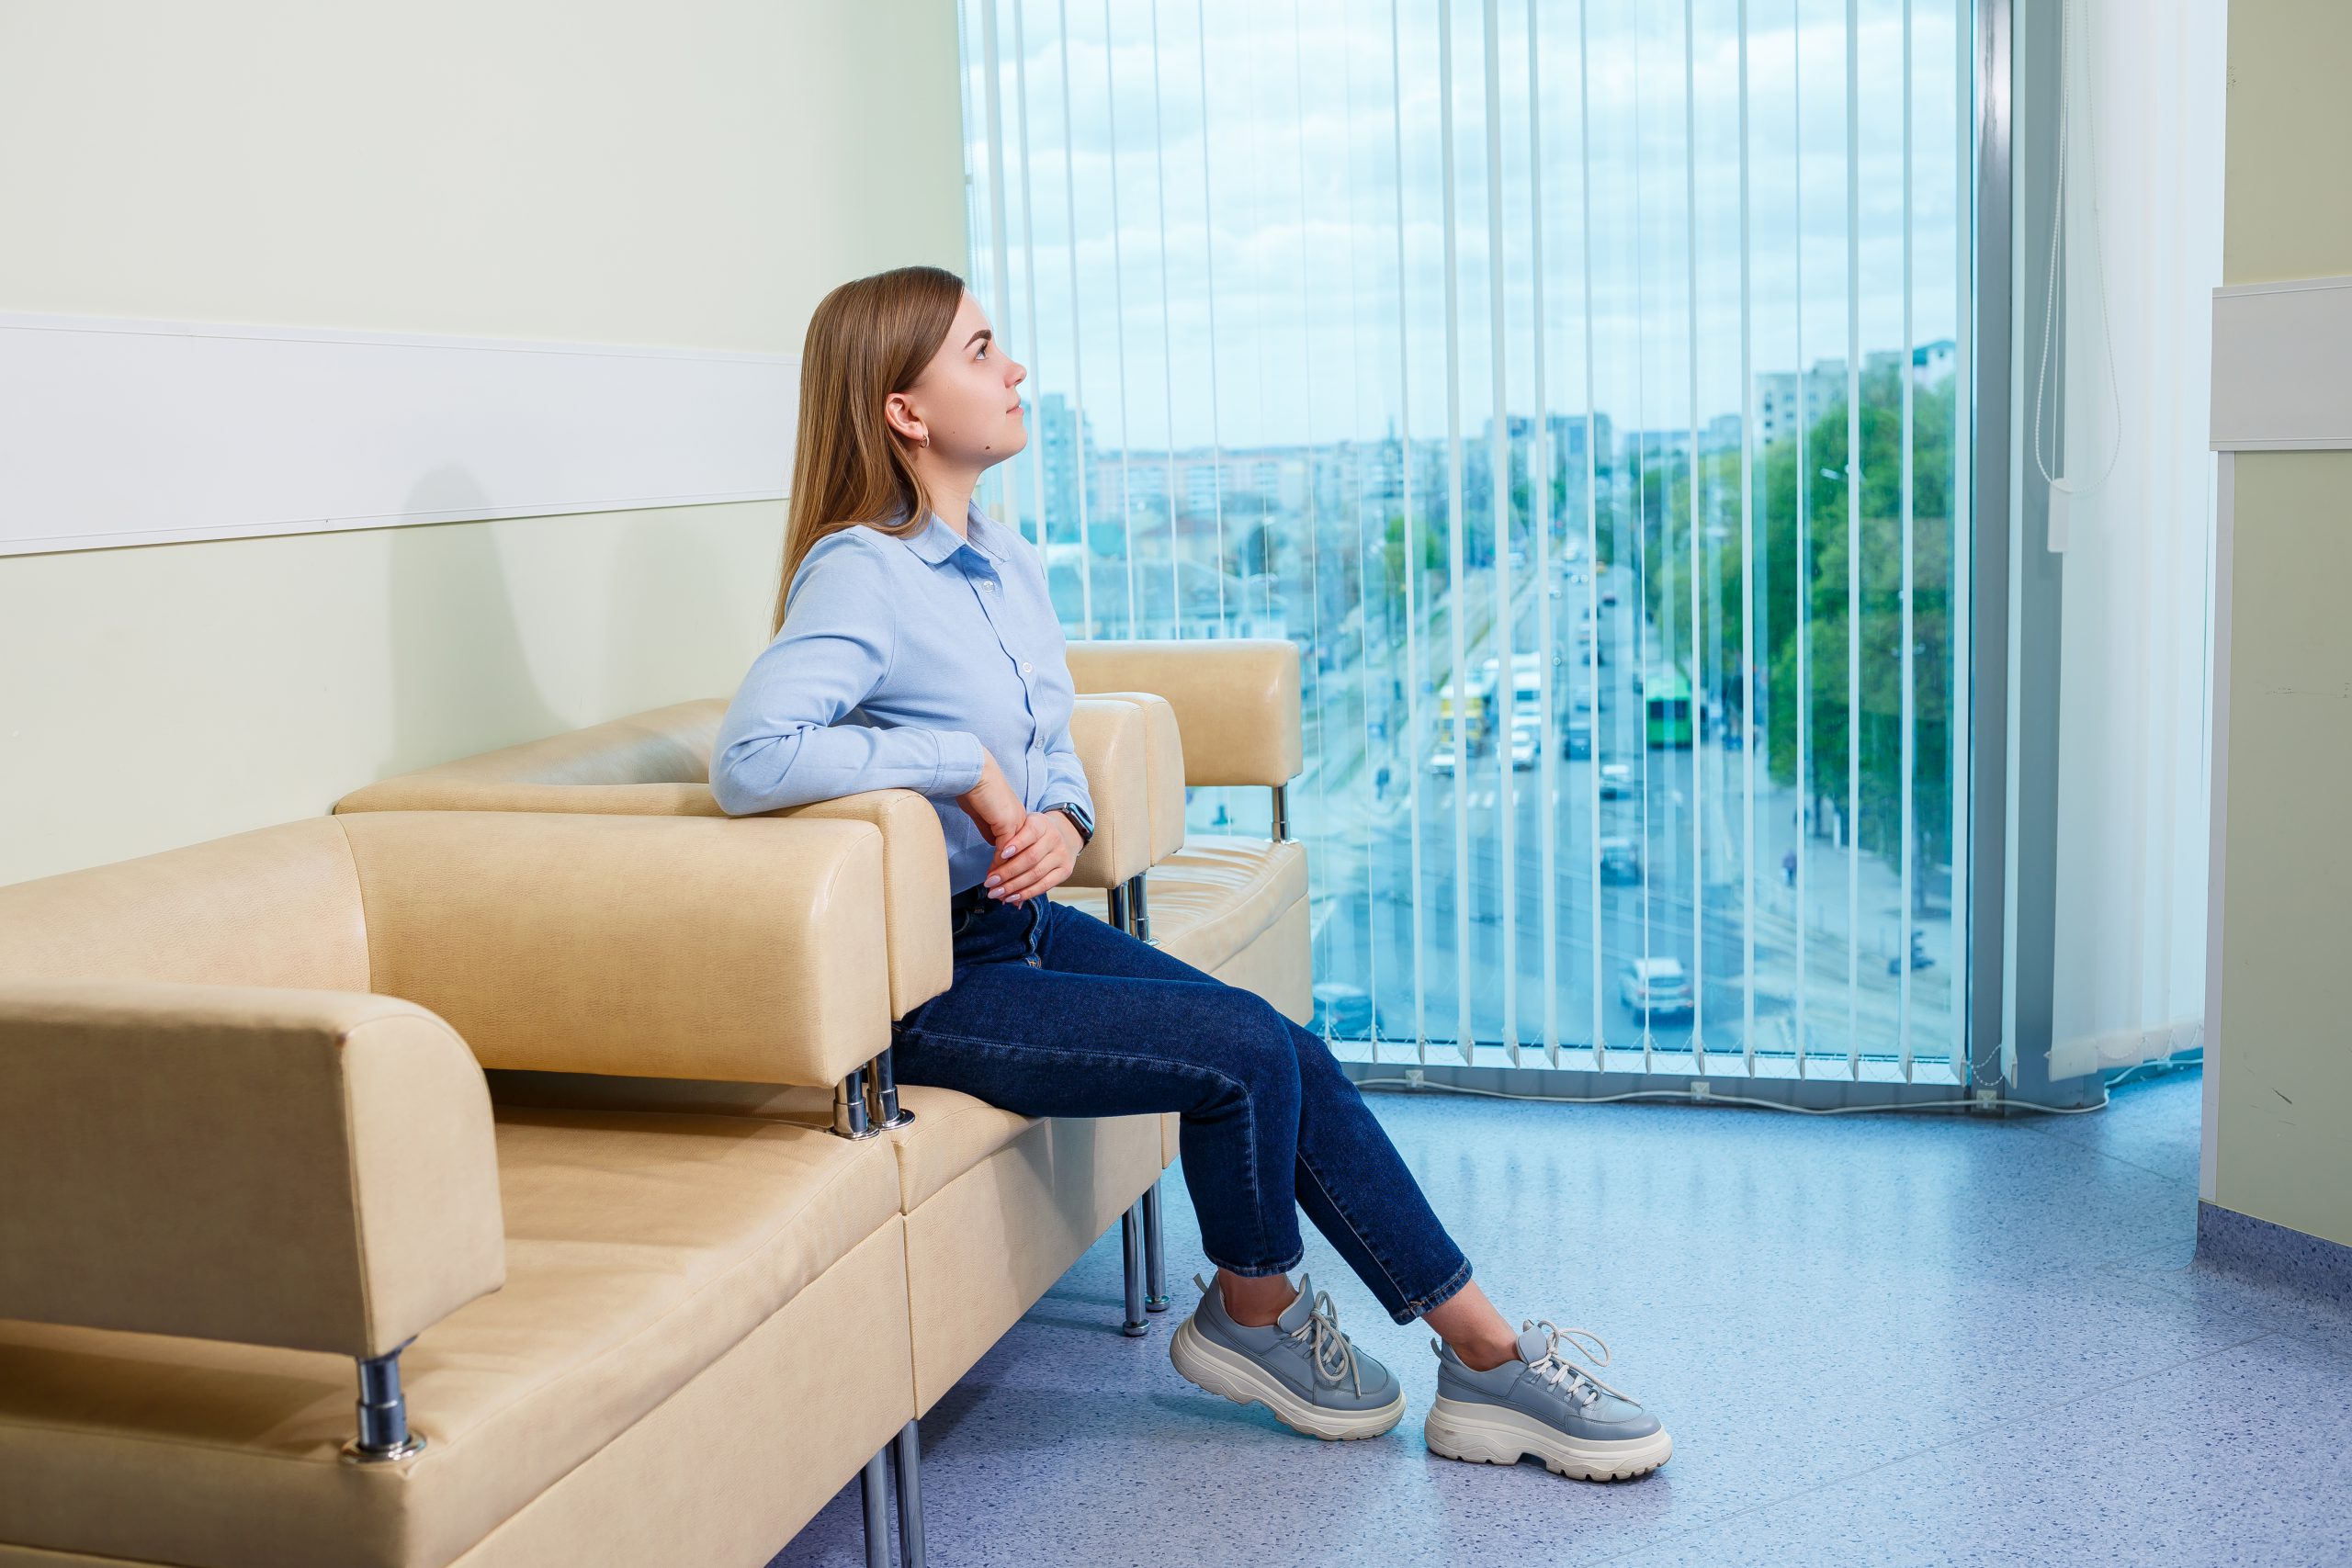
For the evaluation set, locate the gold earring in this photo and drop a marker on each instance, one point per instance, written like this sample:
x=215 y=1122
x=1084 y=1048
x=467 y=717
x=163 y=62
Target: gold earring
x=926 y=440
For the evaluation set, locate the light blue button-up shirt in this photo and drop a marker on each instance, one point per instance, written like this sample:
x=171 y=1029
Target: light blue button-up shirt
x=899 y=661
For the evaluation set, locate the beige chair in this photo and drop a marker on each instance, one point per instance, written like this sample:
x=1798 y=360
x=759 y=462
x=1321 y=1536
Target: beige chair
x=1233 y=906
x=246 y=1146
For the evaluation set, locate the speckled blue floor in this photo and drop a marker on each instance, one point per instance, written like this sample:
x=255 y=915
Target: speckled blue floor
x=1876 y=1340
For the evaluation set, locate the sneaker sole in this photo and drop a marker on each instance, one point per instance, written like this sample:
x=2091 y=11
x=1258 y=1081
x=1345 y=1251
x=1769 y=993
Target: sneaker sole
x=1220 y=1371
x=1493 y=1434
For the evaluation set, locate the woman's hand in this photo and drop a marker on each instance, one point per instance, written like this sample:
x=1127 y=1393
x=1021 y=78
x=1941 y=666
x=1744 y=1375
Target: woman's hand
x=992 y=806
x=1038 y=857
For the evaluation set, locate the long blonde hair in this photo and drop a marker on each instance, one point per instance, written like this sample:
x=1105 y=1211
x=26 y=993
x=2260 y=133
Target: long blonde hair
x=869 y=338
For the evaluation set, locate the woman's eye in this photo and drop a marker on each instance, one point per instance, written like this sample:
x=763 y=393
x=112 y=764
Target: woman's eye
x=984 y=351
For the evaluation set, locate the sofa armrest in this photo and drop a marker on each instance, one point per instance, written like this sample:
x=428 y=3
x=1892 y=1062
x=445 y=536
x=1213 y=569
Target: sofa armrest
x=921 y=945
x=1163 y=768
x=643 y=946
x=1236 y=700
x=914 y=855
x=1113 y=739
x=313 y=1170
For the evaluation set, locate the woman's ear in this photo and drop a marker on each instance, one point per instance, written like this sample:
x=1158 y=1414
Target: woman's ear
x=900 y=417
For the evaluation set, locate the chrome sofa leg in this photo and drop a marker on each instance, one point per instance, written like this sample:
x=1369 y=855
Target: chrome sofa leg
x=1282 y=812
x=850 y=1118
x=383 y=1413
x=1131 y=1240
x=906 y=1458
x=1138 y=917
x=1155 y=1255
x=1116 y=901
x=882 y=1107
x=871 y=1484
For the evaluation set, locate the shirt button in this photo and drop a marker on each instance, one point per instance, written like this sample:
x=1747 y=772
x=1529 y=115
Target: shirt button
x=1024 y=667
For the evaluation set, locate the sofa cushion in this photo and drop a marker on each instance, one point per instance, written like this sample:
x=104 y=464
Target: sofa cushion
x=641 y=1247
x=1215 y=897
x=951 y=1133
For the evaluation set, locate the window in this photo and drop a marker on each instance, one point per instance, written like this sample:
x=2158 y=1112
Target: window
x=1448 y=340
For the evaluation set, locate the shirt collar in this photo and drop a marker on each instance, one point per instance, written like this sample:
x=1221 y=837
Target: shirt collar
x=937 y=541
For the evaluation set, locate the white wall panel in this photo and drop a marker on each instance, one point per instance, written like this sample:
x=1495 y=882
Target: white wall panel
x=117 y=432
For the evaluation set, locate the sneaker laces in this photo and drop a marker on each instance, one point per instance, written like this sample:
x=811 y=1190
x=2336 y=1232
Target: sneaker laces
x=1319 y=1335
x=1325 y=1346
x=1557 y=1371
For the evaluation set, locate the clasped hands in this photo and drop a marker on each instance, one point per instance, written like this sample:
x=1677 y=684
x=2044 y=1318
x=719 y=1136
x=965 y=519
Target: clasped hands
x=1035 y=851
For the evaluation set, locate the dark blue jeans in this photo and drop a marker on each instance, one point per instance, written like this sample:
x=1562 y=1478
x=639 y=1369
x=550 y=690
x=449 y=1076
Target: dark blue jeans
x=1054 y=1012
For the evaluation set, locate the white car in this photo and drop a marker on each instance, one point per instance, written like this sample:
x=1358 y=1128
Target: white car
x=1652 y=985
x=1441 y=760
x=1616 y=780
x=1525 y=746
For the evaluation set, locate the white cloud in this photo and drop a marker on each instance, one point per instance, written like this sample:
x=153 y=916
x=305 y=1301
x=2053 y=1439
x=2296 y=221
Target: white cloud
x=1306 y=131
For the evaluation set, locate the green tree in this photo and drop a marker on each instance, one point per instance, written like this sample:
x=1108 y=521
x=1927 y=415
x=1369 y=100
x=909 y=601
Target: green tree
x=1666 y=513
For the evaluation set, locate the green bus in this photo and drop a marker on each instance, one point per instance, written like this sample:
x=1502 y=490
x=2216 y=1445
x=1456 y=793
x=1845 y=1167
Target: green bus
x=1666 y=701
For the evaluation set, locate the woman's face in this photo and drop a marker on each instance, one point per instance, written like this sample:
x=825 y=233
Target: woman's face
x=965 y=399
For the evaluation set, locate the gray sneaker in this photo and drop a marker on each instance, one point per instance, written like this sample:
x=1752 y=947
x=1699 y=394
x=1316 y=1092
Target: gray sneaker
x=1301 y=1367
x=1545 y=1404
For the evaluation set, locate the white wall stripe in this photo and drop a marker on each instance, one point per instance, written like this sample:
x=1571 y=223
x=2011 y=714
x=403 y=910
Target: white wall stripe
x=120 y=431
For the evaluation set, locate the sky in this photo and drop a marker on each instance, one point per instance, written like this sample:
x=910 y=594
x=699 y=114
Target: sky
x=1283 y=320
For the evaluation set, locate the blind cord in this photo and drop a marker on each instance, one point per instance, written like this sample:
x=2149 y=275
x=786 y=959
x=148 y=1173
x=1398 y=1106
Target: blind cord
x=2061 y=489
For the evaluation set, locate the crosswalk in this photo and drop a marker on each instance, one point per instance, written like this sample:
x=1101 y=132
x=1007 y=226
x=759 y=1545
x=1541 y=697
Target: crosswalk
x=1485 y=799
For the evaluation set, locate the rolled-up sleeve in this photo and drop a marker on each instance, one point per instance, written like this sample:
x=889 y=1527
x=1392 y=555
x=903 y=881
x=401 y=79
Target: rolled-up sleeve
x=784 y=742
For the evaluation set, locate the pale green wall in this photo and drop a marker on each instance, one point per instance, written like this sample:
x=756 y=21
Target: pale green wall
x=2291 y=125
x=2281 y=1150
x=690 y=174
x=2278 y=1144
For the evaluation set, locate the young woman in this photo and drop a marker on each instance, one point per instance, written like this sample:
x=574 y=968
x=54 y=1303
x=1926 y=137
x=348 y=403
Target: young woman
x=917 y=647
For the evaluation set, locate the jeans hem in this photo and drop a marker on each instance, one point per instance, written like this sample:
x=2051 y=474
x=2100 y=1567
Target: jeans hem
x=1256 y=1270
x=1423 y=1304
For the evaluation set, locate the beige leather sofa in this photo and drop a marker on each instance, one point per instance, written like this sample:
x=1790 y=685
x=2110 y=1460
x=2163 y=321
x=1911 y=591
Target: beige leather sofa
x=1153 y=719
x=997 y=1206
x=282 y=1287
x=265 y=1218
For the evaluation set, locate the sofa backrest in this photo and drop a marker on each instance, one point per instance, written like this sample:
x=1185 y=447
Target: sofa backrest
x=278 y=907
x=668 y=745
x=655 y=764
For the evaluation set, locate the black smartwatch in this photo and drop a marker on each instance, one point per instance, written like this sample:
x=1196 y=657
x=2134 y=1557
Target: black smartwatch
x=1078 y=817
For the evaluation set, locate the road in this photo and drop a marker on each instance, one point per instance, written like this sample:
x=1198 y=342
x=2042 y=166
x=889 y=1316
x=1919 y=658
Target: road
x=1485 y=828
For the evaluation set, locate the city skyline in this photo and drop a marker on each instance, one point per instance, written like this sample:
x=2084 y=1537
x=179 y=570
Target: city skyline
x=1228 y=472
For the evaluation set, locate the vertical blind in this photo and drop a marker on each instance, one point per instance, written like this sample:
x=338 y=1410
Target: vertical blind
x=2139 y=259
x=1527 y=363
